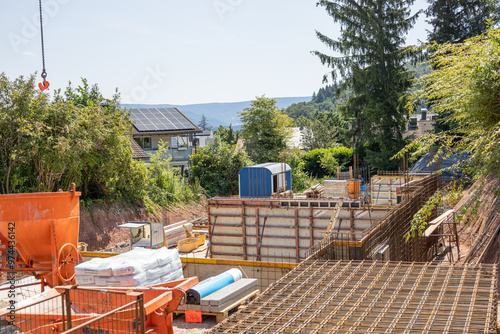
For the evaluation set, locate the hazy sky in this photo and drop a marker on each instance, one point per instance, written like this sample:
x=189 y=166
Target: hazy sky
x=177 y=52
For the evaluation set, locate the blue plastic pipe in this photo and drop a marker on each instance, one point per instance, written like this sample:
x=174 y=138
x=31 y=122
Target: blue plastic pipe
x=212 y=284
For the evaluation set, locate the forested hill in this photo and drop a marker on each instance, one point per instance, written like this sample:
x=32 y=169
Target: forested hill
x=324 y=100
x=224 y=113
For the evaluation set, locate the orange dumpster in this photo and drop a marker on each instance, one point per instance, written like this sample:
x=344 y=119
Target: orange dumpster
x=39 y=234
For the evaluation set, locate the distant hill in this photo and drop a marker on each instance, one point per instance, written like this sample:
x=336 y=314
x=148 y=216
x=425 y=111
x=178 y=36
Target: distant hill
x=224 y=113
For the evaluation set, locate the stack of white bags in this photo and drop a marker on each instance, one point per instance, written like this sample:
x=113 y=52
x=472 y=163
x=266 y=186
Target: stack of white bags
x=137 y=268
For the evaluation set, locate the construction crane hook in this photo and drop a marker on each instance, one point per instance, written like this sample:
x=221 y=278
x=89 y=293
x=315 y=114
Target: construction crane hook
x=45 y=84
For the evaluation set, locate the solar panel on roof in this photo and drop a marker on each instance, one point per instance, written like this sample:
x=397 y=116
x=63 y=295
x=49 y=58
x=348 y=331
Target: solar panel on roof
x=159 y=119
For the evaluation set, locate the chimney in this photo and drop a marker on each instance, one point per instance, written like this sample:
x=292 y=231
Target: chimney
x=423 y=111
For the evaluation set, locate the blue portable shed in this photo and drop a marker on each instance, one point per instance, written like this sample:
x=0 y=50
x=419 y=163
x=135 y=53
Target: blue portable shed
x=265 y=179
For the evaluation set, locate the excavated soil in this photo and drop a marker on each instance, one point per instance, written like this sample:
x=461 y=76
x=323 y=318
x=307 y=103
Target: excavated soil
x=473 y=226
x=98 y=224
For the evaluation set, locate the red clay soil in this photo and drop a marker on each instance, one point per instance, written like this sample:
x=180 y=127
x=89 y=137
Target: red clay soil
x=98 y=226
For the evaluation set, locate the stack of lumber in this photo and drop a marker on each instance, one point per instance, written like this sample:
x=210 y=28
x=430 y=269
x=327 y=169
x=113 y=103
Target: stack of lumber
x=335 y=189
x=200 y=223
x=316 y=191
x=283 y=194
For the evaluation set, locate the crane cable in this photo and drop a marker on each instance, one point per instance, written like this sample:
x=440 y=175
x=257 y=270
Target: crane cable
x=45 y=84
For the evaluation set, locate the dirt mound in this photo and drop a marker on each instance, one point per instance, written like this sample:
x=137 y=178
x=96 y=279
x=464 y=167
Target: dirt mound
x=98 y=224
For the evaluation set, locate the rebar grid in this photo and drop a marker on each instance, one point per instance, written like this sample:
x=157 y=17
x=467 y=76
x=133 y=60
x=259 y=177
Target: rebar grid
x=373 y=297
x=389 y=231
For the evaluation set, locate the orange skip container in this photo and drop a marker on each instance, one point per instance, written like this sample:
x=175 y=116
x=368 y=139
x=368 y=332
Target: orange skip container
x=45 y=229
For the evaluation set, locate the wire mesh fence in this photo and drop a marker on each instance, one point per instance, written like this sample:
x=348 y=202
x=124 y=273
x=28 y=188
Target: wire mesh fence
x=76 y=310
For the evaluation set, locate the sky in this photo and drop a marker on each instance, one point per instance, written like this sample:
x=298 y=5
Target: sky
x=174 y=52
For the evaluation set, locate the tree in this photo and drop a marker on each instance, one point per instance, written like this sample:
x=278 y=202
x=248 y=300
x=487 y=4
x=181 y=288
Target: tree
x=294 y=158
x=324 y=130
x=21 y=107
x=457 y=20
x=265 y=130
x=106 y=128
x=46 y=145
x=216 y=167
x=325 y=100
x=227 y=135
x=465 y=84
x=371 y=42
x=204 y=125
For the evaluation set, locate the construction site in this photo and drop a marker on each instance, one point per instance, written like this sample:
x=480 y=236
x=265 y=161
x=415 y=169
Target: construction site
x=338 y=258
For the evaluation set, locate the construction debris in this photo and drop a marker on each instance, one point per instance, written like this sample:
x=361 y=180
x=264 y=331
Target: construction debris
x=373 y=297
x=176 y=232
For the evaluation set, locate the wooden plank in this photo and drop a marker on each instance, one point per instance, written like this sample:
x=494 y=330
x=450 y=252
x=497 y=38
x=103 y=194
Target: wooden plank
x=257 y=233
x=297 y=246
x=434 y=224
x=244 y=230
x=311 y=231
x=220 y=316
x=441 y=217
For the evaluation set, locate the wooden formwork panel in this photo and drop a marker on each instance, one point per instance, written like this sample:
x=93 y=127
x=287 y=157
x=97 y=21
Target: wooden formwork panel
x=260 y=230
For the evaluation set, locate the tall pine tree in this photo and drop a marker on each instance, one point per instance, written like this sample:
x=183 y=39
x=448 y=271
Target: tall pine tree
x=457 y=20
x=204 y=125
x=371 y=42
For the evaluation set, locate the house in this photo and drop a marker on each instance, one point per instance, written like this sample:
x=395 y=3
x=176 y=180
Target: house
x=137 y=151
x=421 y=124
x=168 y=125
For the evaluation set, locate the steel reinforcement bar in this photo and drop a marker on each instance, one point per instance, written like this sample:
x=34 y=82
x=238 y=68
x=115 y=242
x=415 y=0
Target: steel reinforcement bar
x=373 y=297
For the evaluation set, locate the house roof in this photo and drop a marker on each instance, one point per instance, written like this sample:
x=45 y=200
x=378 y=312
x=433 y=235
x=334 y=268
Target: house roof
x=137 y=151
x=149 y=121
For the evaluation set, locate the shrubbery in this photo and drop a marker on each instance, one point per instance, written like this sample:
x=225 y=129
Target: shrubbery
x=46 y=145
x=323 y=162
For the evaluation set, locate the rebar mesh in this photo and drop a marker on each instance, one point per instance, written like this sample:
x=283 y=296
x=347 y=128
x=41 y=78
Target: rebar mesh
x=391 y=231
x=373 y=297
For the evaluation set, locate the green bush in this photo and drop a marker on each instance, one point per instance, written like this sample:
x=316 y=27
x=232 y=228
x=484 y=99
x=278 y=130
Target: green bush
x=216 y=166
x=321 y=162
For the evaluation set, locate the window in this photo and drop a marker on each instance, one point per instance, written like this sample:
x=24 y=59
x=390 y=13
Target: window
x=173 y=142
x=146 y=142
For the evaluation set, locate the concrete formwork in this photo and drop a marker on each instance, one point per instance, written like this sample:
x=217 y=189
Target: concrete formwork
x=282 y=230
x=384 y=188
x=279 y=230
